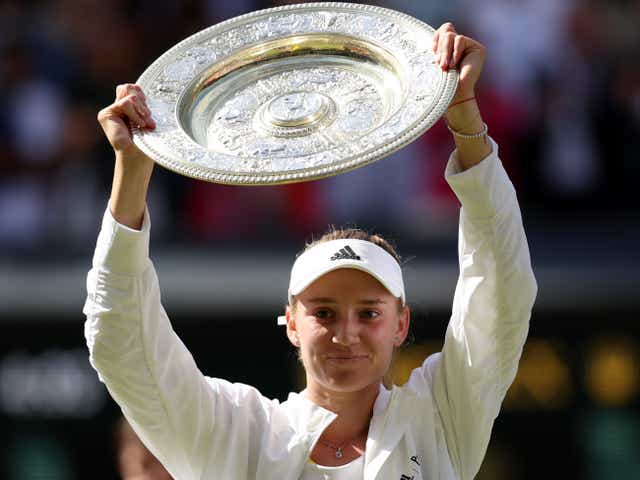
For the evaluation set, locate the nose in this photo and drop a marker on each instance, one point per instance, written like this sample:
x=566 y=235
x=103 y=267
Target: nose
x=347 y=330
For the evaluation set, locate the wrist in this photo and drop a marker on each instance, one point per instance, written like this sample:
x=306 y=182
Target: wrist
x=461 y=94
x=132 y=158
x=131 y=177
x=464 y=117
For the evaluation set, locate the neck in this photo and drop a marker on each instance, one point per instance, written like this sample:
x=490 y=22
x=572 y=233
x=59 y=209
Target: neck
x=354 y=410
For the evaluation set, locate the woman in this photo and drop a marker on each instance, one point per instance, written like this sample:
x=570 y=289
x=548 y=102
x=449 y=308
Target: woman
x=346 y=314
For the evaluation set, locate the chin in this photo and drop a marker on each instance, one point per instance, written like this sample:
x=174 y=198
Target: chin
x=350 y=383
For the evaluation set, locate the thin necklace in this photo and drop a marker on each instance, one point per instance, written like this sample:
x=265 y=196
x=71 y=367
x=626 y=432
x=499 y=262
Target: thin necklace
x=338 y=448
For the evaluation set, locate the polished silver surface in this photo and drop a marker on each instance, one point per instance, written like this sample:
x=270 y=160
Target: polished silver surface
x=293 y=93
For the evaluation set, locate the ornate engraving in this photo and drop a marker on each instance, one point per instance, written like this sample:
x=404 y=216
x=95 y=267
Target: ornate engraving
x=297 y=120
x=308 y=99
x=162 y=112
x=280 y=25
x=296 y=107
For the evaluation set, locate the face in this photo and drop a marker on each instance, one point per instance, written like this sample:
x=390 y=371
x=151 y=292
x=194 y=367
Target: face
x=346 y=325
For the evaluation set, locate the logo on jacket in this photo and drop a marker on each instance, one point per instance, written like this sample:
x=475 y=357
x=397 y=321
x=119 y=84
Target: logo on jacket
x=414 y=468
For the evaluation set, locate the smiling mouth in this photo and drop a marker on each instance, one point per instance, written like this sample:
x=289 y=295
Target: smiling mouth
x=349 y=357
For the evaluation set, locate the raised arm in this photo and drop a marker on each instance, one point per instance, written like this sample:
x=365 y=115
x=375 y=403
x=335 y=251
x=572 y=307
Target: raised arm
x=463 y=115
x=132 y=170
x=496 y=287
x=188 y=421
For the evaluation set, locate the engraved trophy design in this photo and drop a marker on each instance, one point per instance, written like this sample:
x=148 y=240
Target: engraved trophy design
x=293 y=93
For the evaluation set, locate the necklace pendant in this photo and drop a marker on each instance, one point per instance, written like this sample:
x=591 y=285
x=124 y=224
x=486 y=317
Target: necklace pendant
x=338 y=452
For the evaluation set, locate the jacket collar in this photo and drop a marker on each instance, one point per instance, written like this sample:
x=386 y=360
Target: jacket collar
x=385 y=430
x=311 y=417
x=382 y=402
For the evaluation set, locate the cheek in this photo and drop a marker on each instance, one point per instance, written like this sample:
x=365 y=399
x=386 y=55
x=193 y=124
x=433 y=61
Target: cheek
x=312 y=344
x=385 y=336
x=311 y=335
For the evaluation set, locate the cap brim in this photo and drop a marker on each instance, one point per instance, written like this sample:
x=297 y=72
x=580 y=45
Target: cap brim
x=396 y=292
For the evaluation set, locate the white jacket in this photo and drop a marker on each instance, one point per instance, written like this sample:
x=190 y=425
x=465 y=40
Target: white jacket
x=437 y=426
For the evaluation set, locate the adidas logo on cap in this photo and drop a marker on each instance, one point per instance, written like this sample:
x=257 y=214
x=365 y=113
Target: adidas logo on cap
x=345 y=253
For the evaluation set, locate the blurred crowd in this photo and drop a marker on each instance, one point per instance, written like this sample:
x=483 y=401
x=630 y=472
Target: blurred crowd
x=560 y=93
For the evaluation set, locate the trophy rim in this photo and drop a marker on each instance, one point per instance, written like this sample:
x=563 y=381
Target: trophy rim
x=144 y=138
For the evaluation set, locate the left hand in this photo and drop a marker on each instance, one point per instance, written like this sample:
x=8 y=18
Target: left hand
x=457 y=51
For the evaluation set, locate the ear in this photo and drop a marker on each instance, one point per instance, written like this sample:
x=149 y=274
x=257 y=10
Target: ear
x=292 y=331
x=402 y=329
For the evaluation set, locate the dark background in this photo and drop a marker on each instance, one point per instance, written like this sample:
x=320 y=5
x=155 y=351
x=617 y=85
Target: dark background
x=561 y=95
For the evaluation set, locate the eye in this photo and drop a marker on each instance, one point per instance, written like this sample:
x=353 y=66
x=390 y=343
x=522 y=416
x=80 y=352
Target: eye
x=323 y=314
x=369 y=314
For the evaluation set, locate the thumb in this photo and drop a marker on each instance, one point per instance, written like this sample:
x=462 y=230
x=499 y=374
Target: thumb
x=117 y=131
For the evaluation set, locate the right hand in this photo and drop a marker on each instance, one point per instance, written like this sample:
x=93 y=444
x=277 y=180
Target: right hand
x=128 y=110
x=133 y=168
x=457 y=51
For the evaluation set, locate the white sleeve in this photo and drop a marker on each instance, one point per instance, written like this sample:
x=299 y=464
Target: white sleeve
x=492 y=306
x=184 y=418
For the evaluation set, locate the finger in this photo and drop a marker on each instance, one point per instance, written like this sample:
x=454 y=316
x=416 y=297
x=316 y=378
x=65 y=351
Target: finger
x=122 y=91
x=107 y=117
x=129 y=109
x=127 y=89
x=446 y=49
x=115 y=128
x=459 y=44
x=138 y=89
x=142 y=109
x=445 y=27
x=448 y=27
x=141 y=105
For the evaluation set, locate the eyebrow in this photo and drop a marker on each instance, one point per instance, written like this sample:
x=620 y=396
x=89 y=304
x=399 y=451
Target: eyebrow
x=375 y=301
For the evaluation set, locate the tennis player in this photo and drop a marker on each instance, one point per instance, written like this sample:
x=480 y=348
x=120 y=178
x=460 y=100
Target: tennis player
x=347 y=313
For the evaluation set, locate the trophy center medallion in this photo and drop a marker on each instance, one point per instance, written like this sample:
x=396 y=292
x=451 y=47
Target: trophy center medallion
x=297 y=109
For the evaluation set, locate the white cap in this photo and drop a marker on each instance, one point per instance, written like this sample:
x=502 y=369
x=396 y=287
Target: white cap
x=346 y=253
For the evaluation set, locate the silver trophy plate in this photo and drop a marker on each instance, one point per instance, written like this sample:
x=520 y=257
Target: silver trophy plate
x=293 y=93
